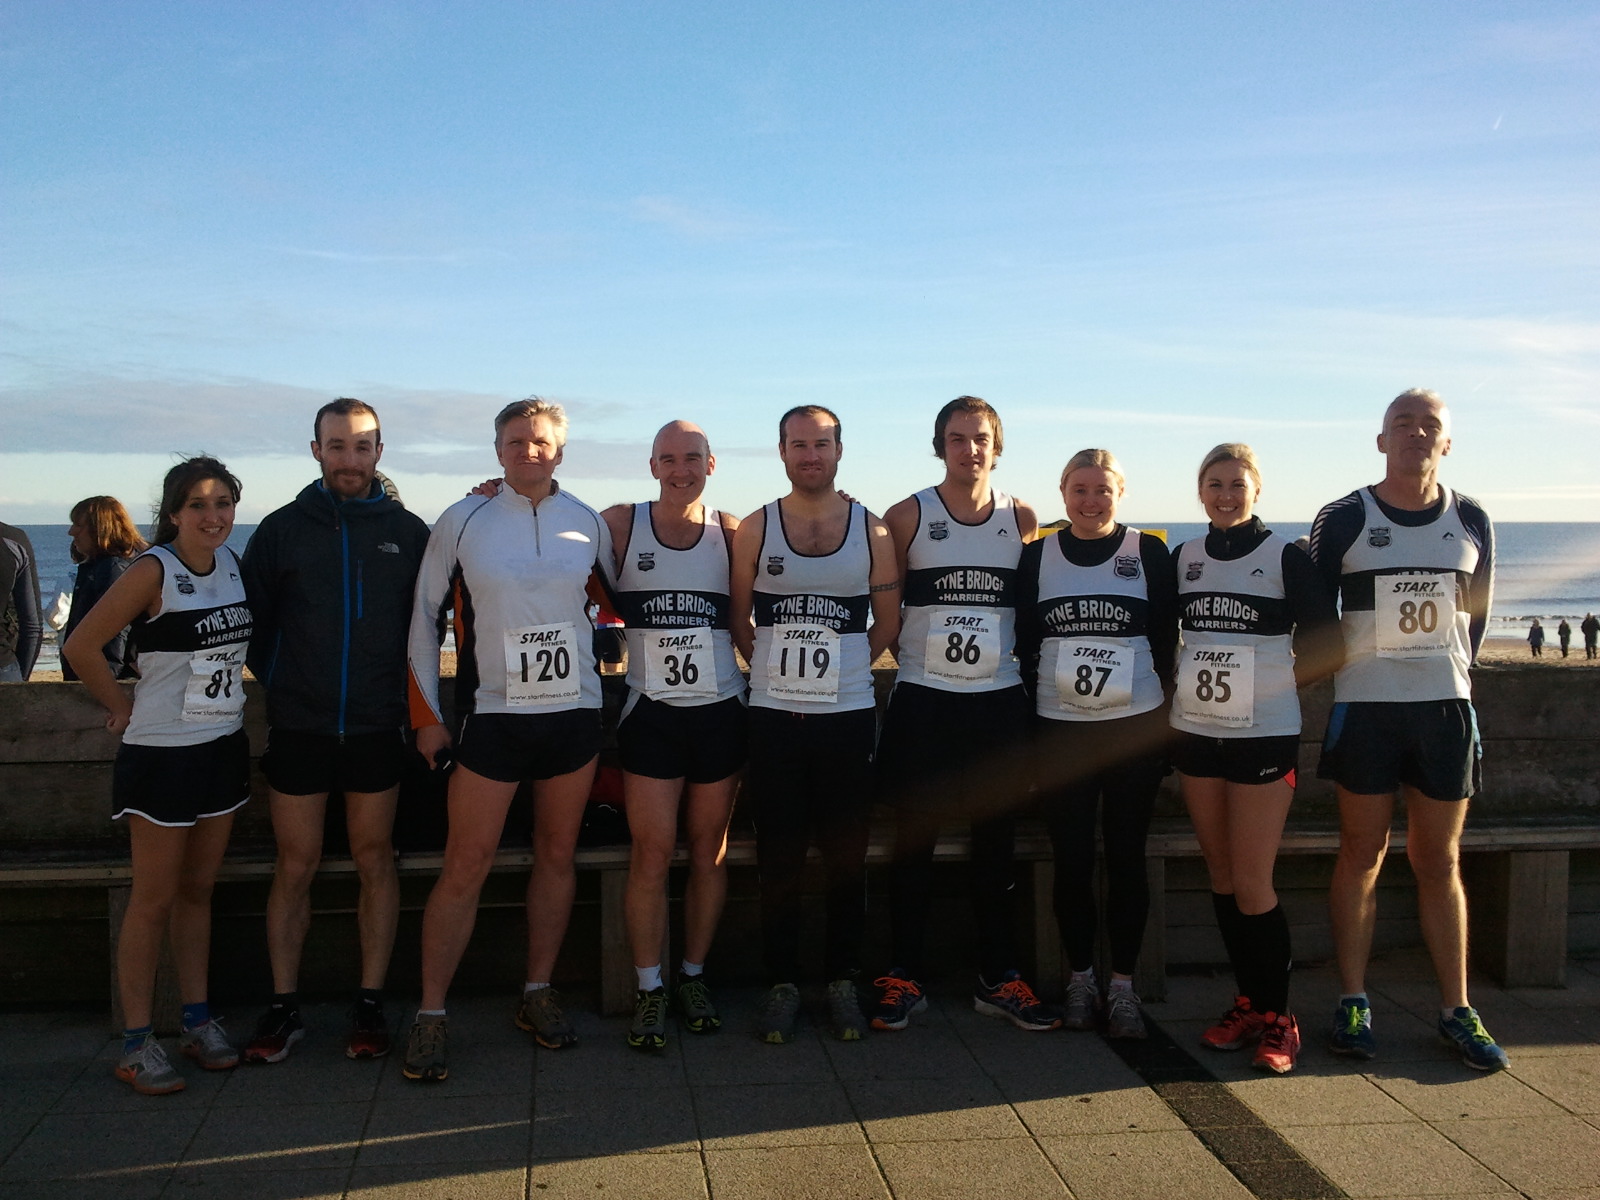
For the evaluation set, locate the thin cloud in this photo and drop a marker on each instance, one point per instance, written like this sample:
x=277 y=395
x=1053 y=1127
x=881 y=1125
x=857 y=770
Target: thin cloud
x=703 y=224
x=349 y=256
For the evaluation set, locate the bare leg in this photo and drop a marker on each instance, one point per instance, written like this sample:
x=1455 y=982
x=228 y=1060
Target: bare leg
x=297 y=828
x=557 y=816
x=710 y=806
x=477 y=808
x=191 y=908
x=369 y=816
x=653 y=824
x=158 y=853
x=1433 y=845
x=1256 y=813
x=1207 y=802
x=1353 y=894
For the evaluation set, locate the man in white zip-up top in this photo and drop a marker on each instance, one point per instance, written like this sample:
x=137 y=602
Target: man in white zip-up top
x=682 y=734
x=809 y=569
x=517 y=569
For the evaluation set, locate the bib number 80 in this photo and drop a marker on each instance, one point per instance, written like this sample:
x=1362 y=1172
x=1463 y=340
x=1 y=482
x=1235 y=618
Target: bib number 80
x=1415 y=617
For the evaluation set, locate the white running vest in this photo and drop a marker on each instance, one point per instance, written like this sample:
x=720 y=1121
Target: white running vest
x=1236 y=665
x=1095 y=662
x=1413 y=642
x=191 y=655
x=958 y=623
x=674 y=605
x=811 y=615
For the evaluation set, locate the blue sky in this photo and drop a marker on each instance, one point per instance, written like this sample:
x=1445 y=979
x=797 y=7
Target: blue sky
x=1148 y=227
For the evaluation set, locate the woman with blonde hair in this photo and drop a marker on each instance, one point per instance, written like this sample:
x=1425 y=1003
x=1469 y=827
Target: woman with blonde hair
x=104 y=544
x=1258 y=623
x=1097 y=625
x=184 y=765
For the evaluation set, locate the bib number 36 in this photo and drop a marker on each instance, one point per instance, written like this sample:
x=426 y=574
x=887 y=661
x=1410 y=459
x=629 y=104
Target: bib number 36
x=680 y=662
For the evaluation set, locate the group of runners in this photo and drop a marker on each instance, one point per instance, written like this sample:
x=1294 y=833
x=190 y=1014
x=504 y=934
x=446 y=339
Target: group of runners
x=1060 y=674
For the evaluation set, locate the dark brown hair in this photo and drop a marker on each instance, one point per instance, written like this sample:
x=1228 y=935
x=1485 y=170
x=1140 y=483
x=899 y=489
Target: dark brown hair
x=175 y=489
x=111 y=530
x=811 y=410
x=975 y=405
x=344 y=406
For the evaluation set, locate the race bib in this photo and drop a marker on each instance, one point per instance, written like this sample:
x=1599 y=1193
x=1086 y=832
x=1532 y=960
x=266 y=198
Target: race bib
x=1095 y=678
x=1416 y=615
x=215 y=691
x=679 y=662
x=803 y=663
x=963 y=646
x=541 y=665
x=1217 y=685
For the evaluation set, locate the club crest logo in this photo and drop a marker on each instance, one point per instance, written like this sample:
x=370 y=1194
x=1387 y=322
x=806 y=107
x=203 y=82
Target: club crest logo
x=1193 y=571
x=647 y=560
x=1378 y=537
x=185 y=584
x=938 y=530
x=1127 y=566
x=774 y=564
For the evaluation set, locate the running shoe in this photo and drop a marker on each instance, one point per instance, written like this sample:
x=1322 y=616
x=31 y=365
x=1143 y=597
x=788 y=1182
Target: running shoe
x=540 y=1014
x=1280 y=1044
x=369 y=1032
x=649 y=1028
x=695 y=1010
x=209 y=1046
x=1465 y=1032
x=1124 y=1014
x=780 y=1010
x=844 y=1011
x=149 y=1071
x=428 y=1050
x=1351 y=1034
x=1082 y=1009
x=1014 y=1000
x=899 y=999
x=276 y=1033
x=1238 y=1028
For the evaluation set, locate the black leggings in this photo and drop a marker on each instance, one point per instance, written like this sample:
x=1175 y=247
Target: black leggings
x=1110 y=771
x=811 y=775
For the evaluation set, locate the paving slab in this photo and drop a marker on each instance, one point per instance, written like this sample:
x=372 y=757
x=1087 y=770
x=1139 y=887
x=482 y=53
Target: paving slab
x=613 y=1120
x=933 y=1110
x=1116 y=1109
x=435 y=1128
x=454 y=1182
x=679 y=1176
x=204 y=1183
x=86 y=1146
x=744 y=1116
x=795 y=1173
x=1344 y=1099
x=1157 y=1163
x=1532 y=1153
x=1001 y=1169
x=1393 y=1160
x=296 y=1137
x=143 y=1188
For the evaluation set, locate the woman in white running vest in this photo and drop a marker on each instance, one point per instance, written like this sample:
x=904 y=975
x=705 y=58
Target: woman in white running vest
x=1097 y=622
x=184 y=765
x=1258 y=623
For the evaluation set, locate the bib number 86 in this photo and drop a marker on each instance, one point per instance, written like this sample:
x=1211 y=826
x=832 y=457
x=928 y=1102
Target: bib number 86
x=962 y=650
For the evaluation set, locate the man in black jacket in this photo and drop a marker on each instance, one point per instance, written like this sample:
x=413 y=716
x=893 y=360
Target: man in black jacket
x=330 y=579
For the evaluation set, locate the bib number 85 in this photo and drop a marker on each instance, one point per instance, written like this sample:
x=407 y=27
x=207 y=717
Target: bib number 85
x=1209 y=686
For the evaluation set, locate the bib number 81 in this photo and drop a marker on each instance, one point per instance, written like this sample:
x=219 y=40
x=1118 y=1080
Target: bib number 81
x=221 y=684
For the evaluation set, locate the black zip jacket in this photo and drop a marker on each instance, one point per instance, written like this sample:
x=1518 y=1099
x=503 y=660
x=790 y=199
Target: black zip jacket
x=330 y=584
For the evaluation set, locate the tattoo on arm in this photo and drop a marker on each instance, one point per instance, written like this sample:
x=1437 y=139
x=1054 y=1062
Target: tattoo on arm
x=885 y=587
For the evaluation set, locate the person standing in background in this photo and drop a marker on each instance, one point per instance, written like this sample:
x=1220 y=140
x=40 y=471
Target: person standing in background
x=104 y=544
x=1536 y=638
x=1591 y=630
x=1564 y=636
x=21 y=620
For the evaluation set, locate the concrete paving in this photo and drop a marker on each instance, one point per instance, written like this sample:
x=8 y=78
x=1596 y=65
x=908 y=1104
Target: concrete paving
x=957 y=1106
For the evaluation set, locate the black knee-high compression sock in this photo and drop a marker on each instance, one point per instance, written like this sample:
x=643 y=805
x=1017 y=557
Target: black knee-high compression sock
x=1228 y=918
x=1265 y=937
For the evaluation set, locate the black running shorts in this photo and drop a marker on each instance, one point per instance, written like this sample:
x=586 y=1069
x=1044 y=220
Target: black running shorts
x=1374 y=747
x=1235 y=759
x=179 y=785
x=313 y=764
x=699 y=743
x=511 y=747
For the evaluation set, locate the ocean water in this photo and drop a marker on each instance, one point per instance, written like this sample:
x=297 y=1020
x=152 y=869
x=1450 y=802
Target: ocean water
x=1544 y=569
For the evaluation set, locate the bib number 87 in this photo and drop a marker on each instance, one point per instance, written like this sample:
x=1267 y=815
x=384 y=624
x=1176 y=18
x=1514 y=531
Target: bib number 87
x=962 y=650
x=1209 y=687
x=817 y=657
x=1414 y=616
x=1084 y=682
x=550 y=664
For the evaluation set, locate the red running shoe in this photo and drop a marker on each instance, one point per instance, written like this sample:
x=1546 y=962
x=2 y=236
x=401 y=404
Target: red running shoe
x=1238 y=1028
x=1280 y=1044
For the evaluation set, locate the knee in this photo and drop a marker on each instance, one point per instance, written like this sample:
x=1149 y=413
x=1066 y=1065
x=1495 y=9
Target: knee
x=295 y=868
x=1433 y=863
x=195 y=893
x=708 y=858
x=374 y=858
x=650 y=861
x=1363 y=852
x=465 y=867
